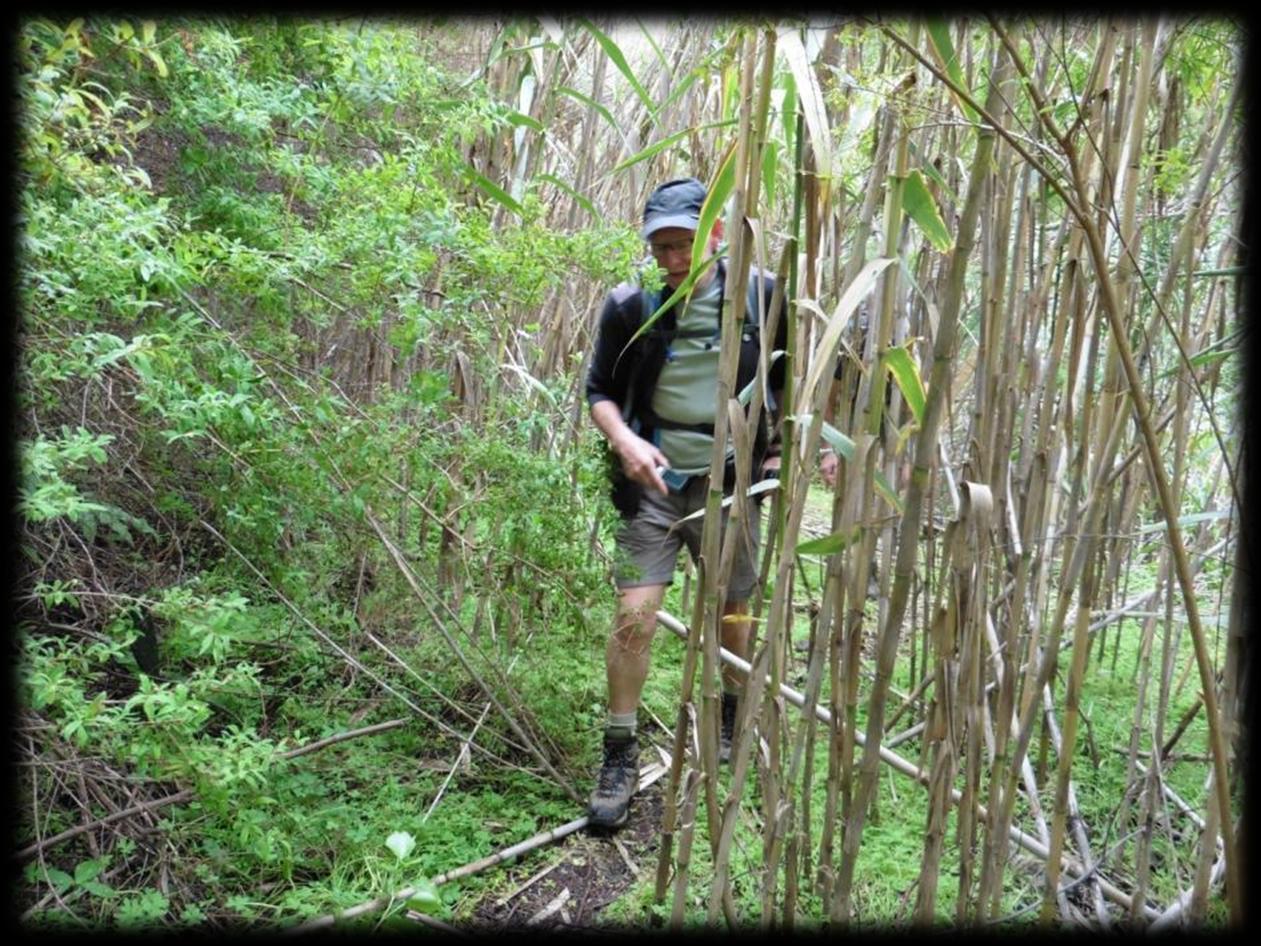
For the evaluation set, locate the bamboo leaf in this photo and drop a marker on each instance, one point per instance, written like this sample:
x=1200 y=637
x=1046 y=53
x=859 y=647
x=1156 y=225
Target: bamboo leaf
x=906 y=374
x=939 y=41
x=930 y=171
x=840 y=443
x=788 y=112
x=844 y=448
x=716 y=196
x=684 y=288
x=811 y=97
x=825 y=352
x=520 y=119
x=1189 y=519
x=658 y=146
x=589 y=101
x=614 y=52
x=678 y=90
x=583 y=202
x=656 y=48
x=922 y=208
x=829 y=543
x=553 y=29
x=761 y=486
x=532 y=381
x=494 y=190
x=730 y=90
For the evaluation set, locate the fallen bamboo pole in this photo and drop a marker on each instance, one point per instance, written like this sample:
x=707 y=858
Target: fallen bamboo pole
x=647 y=776
x=895 y=761
x=1172 y=915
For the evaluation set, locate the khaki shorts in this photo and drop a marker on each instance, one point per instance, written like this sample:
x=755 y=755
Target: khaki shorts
x=648 y=550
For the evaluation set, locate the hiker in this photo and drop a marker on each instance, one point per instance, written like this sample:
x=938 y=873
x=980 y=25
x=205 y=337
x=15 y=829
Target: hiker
x=654 y=403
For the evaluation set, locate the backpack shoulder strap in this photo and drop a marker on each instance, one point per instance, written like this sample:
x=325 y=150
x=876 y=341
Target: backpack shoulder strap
x=753 y=310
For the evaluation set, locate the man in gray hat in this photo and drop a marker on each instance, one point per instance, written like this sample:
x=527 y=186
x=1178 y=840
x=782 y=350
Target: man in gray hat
x=654 y=402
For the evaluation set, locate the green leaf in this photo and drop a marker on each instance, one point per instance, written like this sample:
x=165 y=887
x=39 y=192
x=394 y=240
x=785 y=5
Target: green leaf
x=715 y=198
x=520 y=119
x=424 y=897
x=494 y=190
x=582 y=201
x=922 y=208
x=401 y=843
x=589 y=101
x=658 y=146
x=885 y=489
x=844 y=448
x=679 y=88
x=842 y=445
x=614 y=52
x=829 y=543
x=1189 y=519
x=684 y=288
x=156 y=58
x=98 y=889
x=531 y=381
x=788 y=114
x=932 y=173
x=60 y=880
x=900 y=365
x=88 y=870
x=939 y=40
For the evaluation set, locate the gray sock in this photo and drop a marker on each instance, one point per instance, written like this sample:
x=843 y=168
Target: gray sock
x=621 y=725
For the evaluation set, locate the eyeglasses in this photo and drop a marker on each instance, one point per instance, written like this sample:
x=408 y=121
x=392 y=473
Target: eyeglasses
x=678 y=246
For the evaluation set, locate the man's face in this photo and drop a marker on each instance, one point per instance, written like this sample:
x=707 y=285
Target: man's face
x=672 y=249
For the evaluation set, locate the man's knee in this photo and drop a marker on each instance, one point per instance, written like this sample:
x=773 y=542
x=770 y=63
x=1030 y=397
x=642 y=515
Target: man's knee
x=636 y=620
x=632 y=637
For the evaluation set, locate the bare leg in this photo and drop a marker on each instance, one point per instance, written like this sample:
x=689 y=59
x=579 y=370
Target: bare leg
x=628 y=649
x=735 y=637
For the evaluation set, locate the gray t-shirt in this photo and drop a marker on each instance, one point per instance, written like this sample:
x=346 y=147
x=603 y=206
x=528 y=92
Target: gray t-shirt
x=688 y=385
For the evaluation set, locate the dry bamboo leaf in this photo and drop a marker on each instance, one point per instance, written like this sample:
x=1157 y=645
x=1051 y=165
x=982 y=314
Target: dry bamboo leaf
x=811 y=98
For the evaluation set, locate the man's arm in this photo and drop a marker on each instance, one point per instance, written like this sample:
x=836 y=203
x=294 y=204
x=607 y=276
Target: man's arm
x=640 y=459
x=828 y=461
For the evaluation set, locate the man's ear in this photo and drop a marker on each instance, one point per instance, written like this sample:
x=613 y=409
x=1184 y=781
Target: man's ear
x=715 y=235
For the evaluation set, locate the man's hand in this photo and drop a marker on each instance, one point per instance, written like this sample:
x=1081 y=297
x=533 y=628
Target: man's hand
x=640 y=461
x=827 y=467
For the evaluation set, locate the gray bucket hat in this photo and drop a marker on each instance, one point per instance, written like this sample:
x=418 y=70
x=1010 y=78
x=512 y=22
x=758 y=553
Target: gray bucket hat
x=674 y=204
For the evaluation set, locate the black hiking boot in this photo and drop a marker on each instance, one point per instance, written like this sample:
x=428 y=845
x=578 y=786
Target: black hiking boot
x=730 y=703
x=616 y=783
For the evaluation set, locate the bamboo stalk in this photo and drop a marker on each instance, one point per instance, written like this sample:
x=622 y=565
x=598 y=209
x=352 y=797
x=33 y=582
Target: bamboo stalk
x=926 y=446
x=909 y=769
